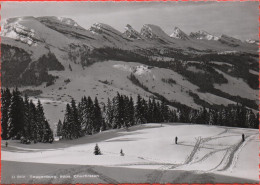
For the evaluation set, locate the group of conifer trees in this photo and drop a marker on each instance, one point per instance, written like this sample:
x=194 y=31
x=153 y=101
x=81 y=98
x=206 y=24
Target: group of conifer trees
x=22 y=119
x=89 y=117
x=232 y=116
x=121 y=112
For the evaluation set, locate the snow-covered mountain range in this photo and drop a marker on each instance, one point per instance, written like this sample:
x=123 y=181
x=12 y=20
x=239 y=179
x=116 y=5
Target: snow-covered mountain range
x=205 y=70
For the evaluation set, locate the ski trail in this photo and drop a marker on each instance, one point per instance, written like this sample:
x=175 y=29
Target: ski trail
x=209 y=154
x=230 y=157
x=235 y=159
x=204 y=140
x=193 y=152
x=235 y=149
x=157 y=174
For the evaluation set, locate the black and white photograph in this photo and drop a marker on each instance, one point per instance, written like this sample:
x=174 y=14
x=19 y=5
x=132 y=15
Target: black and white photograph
x=129 y=92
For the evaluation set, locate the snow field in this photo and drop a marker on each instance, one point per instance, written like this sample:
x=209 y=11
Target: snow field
x=206 y=149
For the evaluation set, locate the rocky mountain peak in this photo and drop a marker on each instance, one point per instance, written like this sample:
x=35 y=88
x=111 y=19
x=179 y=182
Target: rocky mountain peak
x=131 y=33
x=179 y=34
x=203 y=35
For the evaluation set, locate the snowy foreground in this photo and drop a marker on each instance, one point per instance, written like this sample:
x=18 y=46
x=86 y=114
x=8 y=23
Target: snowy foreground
x=204 y=154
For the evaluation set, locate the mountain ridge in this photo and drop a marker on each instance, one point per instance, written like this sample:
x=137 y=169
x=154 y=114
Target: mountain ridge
x=203 y=69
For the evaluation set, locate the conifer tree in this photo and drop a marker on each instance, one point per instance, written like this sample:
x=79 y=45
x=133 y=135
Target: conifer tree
x=83 y=114
x=118 y=112
x=173 y=116
x=66 y=130
x=75 y=124
x=109 y=113
x=47 y=134
x=250 y=118
x=192 y=116
x=211 y=117
x=97 y=150
x=15 y=116
x=59 y=128
x=224 y=116
x=126 y=114
x=164 y=111
x=12 y=131
x=139 y=110
x=90 y=116
x=27 y=119
x=97 y=116
x=40 y=117
x=34 y=125
x=256 y=122
x=150 y=111
x=204 y=116
x=5 y=103
x=145 y=111
x=131 y=112
x=242 y=116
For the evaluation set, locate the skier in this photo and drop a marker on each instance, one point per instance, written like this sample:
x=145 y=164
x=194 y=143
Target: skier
x=122 y=153
x=243 y=137
x=176 y=140
x=6 y=144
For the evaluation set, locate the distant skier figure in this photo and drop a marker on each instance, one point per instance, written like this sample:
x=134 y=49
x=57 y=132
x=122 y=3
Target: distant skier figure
x=243 y=137
x=176 y=140
x=6 y=144
x=122 y=153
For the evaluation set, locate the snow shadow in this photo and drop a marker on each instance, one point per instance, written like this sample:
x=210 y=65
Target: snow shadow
x=110 y=175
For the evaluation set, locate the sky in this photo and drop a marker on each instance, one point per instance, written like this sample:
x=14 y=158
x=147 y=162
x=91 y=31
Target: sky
x=237 y=19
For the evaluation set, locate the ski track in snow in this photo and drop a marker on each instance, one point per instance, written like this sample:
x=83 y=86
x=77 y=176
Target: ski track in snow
x=234 y=151
x=194 y=151
x=229 y=159
x=157 y=174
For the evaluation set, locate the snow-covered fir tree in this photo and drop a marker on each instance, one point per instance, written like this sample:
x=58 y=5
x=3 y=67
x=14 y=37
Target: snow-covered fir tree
x=15 y=116
x=59 y=128
x=97 y=122
x=97 y=150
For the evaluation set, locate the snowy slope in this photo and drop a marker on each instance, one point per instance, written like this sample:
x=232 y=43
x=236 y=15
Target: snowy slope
x=237 y=87
x=201 y=149
x=90 y=82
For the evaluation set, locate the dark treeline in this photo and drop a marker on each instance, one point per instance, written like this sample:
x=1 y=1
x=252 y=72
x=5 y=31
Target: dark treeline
x=88 y=117
x=22 y=119
x=120 y=112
